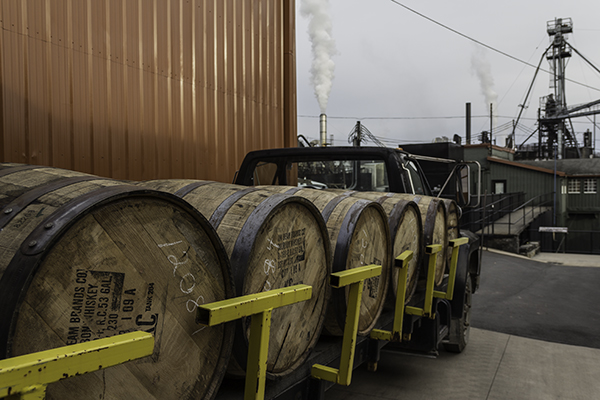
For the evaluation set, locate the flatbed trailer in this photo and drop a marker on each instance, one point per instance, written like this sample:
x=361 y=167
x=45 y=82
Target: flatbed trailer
x=421 y=335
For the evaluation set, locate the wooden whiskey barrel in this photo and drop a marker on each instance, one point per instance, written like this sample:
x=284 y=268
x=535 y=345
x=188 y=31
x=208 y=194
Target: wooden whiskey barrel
x=407 y=234
x=273 y=240
x=406 y=229
x=433 y=216
x=83 y=257
x=359 y=234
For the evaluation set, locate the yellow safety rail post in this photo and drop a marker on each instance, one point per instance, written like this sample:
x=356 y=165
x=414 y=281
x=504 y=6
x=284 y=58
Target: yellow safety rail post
x=259 y=306
x=395 y=335
x=28 y=376
x=402 y=261
x=455 y=244
x=355 y=278
x=432 y=250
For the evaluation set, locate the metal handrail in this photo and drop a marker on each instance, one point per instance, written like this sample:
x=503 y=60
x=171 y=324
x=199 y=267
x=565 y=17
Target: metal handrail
x=532 y=199
x=508 y=204
x=492 y=206
x=526 y=213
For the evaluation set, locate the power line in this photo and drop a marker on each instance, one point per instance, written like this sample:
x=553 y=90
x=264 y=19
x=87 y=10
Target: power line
x=462 y=34
x=483 y=44
x=409 y=118
x=367 y=118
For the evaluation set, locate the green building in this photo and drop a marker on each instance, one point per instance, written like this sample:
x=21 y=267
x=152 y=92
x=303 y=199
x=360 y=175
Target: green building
x=524 y=196
x=568 y=188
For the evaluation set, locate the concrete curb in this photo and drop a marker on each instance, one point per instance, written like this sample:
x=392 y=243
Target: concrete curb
x=569 y=260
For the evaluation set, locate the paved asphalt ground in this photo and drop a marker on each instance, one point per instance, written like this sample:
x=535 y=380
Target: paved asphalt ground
x=548 y=301
x=535 y=335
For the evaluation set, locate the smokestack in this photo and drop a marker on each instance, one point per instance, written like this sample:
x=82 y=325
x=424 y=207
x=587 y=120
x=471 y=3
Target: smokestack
x=468 y=133
x=323 y=129
x=491 y=122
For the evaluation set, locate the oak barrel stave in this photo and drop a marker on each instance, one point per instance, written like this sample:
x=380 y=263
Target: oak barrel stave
x=91 y=257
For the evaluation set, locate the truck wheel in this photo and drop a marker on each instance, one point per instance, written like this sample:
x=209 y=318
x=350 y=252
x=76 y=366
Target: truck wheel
x=458 y=337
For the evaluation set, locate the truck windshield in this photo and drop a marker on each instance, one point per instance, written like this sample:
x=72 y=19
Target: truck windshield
x=361 y=175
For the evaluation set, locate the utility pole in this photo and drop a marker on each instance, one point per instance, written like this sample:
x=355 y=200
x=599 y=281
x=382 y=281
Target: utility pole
x=358 y=138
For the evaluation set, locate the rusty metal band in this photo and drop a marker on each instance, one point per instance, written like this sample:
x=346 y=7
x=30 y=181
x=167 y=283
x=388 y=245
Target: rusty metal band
x=184 y=191
x=416 y=199
x=328 y=209
x=218 y=215
x=382 y=199
x=11 y=170
x=21 y=202
x=293 y=190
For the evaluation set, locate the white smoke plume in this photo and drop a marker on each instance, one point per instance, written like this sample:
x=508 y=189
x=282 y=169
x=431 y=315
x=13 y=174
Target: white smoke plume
x=483 y=70
x=323 y=48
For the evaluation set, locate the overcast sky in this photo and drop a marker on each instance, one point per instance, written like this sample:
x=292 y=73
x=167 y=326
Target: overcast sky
x=399 y=73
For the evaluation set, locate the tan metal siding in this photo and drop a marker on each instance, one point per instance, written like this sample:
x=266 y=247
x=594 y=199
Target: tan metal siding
x=146 y=89
x=289 y=75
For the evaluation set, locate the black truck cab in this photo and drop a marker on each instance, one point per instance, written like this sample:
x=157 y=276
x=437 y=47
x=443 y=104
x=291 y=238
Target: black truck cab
x=376 y=169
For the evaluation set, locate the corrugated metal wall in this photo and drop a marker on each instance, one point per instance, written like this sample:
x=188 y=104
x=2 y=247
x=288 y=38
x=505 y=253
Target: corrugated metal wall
x=584 y=202
x=533 y=183
x=146 y=89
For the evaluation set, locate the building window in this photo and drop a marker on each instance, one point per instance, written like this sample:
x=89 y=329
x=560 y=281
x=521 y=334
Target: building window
x=589 y=186
x=574 y=186
x=499 y=187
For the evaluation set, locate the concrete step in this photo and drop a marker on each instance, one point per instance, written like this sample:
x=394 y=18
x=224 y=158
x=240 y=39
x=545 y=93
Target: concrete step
x=530 y=249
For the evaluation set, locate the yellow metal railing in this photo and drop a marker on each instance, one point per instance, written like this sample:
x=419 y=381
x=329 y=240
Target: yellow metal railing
x=449 y=293
x=394 y=336
x=432 y=250
x=355 y=278
x=28 y=376
x=402 y=262
x=259 y=306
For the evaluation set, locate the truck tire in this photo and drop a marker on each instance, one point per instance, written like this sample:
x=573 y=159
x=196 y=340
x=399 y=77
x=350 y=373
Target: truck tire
x=458 y=336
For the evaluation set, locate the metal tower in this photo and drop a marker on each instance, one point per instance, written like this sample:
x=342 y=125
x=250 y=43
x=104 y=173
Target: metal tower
x=554 y=116
x=553 y=130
